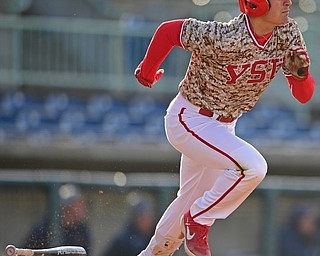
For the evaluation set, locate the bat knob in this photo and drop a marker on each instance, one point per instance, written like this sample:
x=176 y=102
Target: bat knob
x=10 y=250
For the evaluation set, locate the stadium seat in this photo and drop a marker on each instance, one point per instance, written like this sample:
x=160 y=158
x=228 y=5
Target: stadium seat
x=138 y=118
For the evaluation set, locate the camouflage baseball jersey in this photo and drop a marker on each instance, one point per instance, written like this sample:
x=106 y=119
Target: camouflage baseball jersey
x=229 y=69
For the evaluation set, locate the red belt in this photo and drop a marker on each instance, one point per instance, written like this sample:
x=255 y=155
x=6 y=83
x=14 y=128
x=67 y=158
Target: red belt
x=209 y=113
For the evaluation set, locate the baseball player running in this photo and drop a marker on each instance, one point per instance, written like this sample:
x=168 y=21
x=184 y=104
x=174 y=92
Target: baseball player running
x=230 y=67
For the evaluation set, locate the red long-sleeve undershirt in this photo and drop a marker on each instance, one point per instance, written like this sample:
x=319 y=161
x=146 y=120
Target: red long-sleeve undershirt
x=165 y=38
x=168 y=35
x=302 y=90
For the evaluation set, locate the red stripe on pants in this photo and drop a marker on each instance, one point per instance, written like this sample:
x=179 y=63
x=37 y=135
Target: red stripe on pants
x=219 y=151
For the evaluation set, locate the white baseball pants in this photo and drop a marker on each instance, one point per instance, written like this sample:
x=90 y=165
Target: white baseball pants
x=218 y=171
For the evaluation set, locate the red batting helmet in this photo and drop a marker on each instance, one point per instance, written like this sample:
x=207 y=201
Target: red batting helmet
x=254 y=7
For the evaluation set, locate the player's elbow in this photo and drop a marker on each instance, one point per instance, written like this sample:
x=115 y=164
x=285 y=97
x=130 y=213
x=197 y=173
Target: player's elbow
x=303 y=98
x=302 y=90
x=306 y=98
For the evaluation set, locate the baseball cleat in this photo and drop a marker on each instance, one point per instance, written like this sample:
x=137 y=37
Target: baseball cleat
x=196 y=237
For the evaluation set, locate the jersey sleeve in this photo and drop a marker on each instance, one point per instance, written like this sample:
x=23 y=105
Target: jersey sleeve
x=199 y=36
x=295 y=40
x=301 y=90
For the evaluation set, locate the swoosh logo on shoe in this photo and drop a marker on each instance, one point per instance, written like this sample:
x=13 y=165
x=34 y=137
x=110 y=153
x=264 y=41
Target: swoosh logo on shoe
x=189 y=236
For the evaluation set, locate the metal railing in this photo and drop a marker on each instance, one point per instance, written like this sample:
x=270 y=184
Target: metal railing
x=91 y=53
x=70 y=52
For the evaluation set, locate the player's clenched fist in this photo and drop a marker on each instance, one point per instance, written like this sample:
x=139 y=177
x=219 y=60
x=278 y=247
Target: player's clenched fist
x=297 y=62
x=146 y=82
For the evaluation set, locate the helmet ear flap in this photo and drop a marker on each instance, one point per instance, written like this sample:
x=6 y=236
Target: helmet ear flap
x=254 y=7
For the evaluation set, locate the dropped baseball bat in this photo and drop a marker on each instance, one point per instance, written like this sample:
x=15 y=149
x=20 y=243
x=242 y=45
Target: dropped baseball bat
x=11 y=250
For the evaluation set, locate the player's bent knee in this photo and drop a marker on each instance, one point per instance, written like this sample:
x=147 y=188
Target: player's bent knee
x=260 y=169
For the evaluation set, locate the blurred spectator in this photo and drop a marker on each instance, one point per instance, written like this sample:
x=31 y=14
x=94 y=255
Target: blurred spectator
x=73 y=229
x=300 y=236
x=137 y=231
